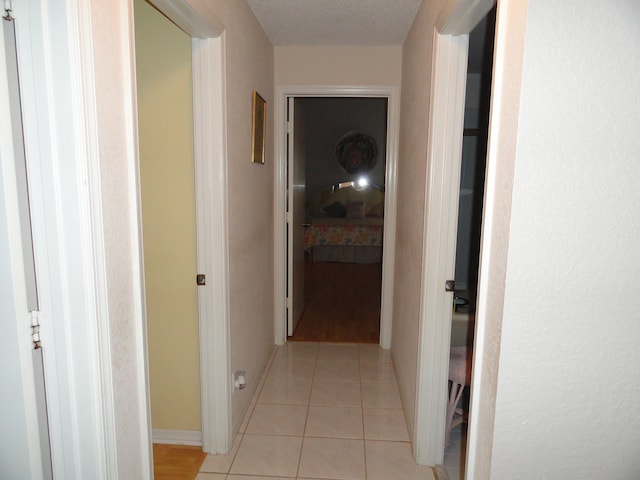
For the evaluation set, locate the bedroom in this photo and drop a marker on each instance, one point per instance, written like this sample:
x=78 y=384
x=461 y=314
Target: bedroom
x=340 y=148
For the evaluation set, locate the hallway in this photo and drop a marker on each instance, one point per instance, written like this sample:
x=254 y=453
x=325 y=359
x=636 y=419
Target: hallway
x=322 y=411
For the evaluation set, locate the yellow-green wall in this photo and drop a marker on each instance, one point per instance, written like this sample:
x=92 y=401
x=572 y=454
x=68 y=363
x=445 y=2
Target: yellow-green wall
x=163 y=64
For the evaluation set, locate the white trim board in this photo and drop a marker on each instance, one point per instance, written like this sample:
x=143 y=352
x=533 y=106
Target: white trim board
x=209 y=105
x=388 y=253
x=446 y=119
x=55 y=51
x=177 y=437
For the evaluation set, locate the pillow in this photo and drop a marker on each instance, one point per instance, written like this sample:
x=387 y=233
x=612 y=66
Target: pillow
x=377 y=210
x=335 y=209
x=350 y=194
x=356 y=210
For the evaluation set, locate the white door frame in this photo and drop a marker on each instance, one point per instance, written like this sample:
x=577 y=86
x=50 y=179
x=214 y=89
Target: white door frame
x=210 y=151
x=388 y=253
x=446 y=120
x=66 y=211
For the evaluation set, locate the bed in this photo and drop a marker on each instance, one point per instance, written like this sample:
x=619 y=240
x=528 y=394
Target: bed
x=346 y=226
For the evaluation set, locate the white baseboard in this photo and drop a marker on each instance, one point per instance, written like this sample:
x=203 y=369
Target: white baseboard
x=177 y=437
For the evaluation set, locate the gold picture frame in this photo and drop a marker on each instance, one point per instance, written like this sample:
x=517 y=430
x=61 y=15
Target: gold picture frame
x=259 y=128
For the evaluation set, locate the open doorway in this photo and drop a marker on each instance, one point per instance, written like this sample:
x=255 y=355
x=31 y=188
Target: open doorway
x=167 y=190
x=285 y=96
x=337 y=166
x=202 y=42
x=472 y=176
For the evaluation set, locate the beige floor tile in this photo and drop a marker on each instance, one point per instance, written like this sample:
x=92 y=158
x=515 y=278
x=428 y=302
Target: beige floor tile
x=221 y=463
x=254 y=477
x=334 y=422
x=297 y=350
x=385 y=424
x=344 y=394
x=247 y=416
x=374 y=354
x=393 y=460
x=268 y=455
x=333 y=458
x=380 y=395
x=278 y=419
x=337 y=371
x=289 y=392
x=211 y=476
x=337 y=353
x=377 y=373
x=292 y=369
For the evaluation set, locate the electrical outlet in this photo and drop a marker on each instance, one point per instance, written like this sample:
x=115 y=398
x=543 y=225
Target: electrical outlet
x=240 y=380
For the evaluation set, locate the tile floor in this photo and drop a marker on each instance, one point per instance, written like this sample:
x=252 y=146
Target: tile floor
x=322 y=411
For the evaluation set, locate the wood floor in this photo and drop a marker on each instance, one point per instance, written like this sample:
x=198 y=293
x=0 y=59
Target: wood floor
x=177 y=462
x=342 y=303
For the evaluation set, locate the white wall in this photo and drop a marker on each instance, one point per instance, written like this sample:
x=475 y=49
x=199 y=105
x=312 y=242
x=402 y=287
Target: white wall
x=569 y=372
x=338 y=66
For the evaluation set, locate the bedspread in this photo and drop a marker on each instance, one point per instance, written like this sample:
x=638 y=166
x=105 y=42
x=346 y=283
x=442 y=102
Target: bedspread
x=366 y=232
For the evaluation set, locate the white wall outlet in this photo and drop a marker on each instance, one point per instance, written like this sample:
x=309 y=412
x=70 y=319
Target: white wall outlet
x=240 y=379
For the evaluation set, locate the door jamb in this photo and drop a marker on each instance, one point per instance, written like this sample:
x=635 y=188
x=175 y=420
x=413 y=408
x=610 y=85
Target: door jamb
x=280 y=245
x=210 y=152
x=444 y=150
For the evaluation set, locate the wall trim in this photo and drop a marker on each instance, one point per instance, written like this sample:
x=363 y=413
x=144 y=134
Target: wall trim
x=66 y=211
x=210 y=156
x=388 y=253
x=209 y=106
x=439 y=243
x=446 y=118
x=177 y=437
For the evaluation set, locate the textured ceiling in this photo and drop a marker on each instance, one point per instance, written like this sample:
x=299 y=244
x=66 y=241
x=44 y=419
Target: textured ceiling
x=336 y=22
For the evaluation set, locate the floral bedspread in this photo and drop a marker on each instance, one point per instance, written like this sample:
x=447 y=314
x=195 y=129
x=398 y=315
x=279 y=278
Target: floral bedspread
x=352 y=232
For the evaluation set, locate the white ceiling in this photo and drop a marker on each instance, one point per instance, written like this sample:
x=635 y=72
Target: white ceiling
x=335 y=22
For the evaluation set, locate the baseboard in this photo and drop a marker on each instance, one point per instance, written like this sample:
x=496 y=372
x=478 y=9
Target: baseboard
x=177 y=437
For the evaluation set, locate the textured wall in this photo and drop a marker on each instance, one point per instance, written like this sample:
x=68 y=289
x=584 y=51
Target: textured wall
x=114 y=83
x=569 y=372
x=249 y=67
x=165 y=128
x=338 y=65
x=412 y=168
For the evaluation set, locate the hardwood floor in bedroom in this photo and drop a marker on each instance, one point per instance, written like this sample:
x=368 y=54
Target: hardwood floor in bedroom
x=177 y=462
x=342 y=303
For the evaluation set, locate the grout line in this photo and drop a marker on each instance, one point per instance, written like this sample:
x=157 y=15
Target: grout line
x=364 y=439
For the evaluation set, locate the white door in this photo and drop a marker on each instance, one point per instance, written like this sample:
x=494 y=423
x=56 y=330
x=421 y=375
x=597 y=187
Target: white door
x=24 y=440
x=295 y=213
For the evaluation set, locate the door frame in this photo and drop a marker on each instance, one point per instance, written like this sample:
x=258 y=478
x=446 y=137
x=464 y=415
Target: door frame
x=444 y=150
x=210 y=156
x=280 y=245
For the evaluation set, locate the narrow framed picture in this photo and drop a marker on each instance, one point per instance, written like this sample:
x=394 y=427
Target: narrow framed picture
x=259 y=128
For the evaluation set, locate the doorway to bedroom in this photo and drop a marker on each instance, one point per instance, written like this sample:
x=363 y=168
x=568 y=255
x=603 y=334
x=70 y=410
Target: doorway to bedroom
x=336 y=179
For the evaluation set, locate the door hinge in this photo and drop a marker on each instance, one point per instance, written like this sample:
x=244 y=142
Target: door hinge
x=201 y=279
x=450 y=286
x=7 y=10
x=35 y=329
